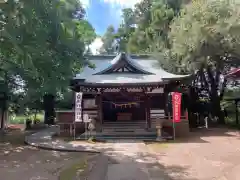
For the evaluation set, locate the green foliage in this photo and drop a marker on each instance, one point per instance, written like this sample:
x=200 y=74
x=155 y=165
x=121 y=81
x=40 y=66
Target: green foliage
x=204 y=30
x=41 y=46
x=108 y=40
x=145 y=27
x=20 y=119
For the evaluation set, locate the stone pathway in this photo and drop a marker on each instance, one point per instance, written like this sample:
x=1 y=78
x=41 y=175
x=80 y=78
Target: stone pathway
x=130 y=160
x=43 y=139
x=209 y=156
x=124 y=160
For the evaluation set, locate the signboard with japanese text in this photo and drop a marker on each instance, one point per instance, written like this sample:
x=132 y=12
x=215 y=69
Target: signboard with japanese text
x=78 y=107
x=176 y=104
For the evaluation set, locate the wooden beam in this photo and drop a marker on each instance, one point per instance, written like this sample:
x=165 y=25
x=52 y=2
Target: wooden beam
x=100 y=113
x=147 y=111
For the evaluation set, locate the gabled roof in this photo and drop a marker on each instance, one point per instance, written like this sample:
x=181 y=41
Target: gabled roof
x=125 y=69
x=123 y=62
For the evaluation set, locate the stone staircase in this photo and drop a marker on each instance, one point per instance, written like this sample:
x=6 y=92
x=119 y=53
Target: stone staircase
x=126 y=130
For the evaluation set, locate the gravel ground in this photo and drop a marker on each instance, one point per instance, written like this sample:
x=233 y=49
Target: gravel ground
x=18 y=161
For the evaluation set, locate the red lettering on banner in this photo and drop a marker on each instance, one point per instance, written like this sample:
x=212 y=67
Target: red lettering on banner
x=176 y=103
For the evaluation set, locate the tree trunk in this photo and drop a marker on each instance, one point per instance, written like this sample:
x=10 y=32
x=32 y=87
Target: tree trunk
x=35 y=115
x=192 y=105
x=49 y=109
x=3 y=107
x=214 y=96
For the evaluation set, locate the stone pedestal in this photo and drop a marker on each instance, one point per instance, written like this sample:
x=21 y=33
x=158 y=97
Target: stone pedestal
x=159 y=130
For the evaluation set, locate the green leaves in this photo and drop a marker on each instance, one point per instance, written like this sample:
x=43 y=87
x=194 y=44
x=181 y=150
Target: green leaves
x=144 y=28
x=43 y=42
x=108 y=41
x=205 y=29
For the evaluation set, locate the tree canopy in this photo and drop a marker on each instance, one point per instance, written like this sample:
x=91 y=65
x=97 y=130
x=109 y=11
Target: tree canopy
x=206 y=31
x=186 y=36
x=144 y=28
x=46 y=46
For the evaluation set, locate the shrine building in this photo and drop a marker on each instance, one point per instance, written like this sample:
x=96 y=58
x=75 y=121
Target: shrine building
x=126 y=93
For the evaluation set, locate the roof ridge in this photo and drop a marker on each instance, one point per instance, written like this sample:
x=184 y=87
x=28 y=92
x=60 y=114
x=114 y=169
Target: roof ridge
x=128 y=59
x=133 y=56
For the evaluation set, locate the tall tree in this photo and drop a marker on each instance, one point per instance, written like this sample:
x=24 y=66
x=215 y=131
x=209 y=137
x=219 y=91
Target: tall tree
x=126 y=28
x=45 y=49
x=108 y=41
x=138 y=40
x=153 y=19
x=206 y=36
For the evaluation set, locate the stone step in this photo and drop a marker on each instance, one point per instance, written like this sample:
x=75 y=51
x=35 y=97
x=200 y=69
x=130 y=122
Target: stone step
x=119 y=136
x=123 y=123
x=130 y=134
x=124 y=127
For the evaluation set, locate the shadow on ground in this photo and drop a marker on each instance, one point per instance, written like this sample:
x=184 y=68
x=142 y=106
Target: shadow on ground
x=134 y=165
x=117 y=158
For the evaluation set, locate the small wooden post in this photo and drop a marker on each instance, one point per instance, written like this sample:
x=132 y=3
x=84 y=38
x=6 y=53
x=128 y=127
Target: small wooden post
x=236 y=109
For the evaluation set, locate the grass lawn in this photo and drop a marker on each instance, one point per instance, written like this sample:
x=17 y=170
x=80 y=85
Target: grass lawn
x=20 y=119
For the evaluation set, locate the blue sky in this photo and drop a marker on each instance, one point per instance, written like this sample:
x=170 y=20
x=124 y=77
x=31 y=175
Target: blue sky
x=102 y=13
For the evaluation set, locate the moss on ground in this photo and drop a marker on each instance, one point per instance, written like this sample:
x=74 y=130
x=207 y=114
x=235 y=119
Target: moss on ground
x=73 y=171
x=158 y=146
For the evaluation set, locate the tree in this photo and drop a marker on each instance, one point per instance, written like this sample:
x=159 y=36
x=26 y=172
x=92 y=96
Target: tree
x=153 y=19
x=108 y=41
x=126 y=28
x=45 y=49
x=206 y=37
x=138 y=42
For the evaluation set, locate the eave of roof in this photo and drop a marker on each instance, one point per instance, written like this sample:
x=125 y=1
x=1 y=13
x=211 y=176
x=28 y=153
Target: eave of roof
x=151 y=72
x=128 y=60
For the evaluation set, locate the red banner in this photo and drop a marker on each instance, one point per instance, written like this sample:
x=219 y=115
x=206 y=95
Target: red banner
x=176 y=104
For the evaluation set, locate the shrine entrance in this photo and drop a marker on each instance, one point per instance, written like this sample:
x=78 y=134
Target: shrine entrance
x=123 y=106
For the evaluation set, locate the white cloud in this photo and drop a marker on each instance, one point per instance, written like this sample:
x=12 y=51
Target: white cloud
x=96 y=45
x=123 y=3
x=85 y=3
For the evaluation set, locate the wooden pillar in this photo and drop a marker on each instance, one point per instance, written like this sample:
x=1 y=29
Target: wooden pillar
x=100 y=113
x=166 y=92
x=147 y=111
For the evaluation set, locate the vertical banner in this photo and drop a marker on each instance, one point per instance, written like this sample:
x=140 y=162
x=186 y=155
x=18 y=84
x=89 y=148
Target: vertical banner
x=176 y=104
x=78 y=107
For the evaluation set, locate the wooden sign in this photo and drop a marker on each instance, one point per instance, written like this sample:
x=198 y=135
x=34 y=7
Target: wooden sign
x=176 y=104
x=78 y=107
